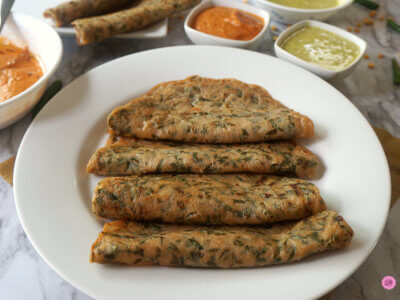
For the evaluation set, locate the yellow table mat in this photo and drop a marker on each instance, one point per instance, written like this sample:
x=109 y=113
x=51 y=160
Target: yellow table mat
x=7 y=169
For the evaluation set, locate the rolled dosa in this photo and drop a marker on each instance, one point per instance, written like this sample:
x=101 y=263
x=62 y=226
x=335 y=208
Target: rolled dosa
x=230 y=199
x=71 y=10
x=135 y=243
x=146 y=12
x=274 y=157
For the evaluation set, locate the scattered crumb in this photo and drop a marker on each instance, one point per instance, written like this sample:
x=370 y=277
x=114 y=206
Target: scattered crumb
x=274 y=28
x=380 y=55
x=368 y=21
x=349 y=29
x=359 y=24
x=371 y=65
x=181 y=17
x=381 y=18
x=288 y=25
x=274 y=37
x=357 y=30
x=366 y=56
x=372 y=13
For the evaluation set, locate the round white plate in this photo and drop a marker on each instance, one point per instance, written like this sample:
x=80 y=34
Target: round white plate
x=53 y=192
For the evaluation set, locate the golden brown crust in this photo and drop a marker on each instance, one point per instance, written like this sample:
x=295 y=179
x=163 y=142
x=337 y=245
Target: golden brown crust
x=205 y=110
x=220 y=247
x=230 y=199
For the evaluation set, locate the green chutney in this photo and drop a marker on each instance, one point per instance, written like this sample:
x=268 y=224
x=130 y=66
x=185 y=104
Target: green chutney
x=321 y=47
x=308 y=4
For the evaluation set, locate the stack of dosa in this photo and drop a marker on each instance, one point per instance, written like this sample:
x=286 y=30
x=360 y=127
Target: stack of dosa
x=199 y=154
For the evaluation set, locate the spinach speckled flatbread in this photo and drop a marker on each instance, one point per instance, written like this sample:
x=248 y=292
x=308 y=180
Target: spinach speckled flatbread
x=204 y=110
x=219 y=247
x=229 y=199
x=130 y=156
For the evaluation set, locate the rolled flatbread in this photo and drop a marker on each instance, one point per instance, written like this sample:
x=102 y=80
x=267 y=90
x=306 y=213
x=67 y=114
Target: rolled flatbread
x=71 y=10
x=274 y=157
x=135 y=243
x=230 y=199
x=146 y=12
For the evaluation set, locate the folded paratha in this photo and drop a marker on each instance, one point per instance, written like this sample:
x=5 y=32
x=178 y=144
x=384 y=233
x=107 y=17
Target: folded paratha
x=219 y=247
x=229 y=199
x=204 y=110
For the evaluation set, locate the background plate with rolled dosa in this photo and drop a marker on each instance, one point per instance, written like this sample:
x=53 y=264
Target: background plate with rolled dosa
x=53 y=192
x=35 y=8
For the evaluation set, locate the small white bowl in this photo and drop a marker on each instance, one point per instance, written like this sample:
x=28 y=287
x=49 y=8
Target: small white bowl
x=46 y=45
x=316 y=69
x=200 y=38
x=290 y=15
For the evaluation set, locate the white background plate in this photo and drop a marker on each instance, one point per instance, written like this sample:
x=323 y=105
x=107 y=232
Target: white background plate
x=35 y=8
x=53 y=192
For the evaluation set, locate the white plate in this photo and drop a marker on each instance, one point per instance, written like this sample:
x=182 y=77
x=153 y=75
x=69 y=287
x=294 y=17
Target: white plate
x=53 y=192
x=35 y=8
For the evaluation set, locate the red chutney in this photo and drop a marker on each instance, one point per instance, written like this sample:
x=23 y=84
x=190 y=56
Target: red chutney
x=228 y=23
x=19 y=69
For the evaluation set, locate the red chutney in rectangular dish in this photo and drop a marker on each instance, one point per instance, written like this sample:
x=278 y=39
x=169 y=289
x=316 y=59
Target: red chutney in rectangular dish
x=229 y=23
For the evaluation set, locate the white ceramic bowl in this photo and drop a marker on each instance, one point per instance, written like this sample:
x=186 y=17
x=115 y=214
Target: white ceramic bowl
x=200 y=38
x=290 y=15
x=46 y=45
x=316 y=69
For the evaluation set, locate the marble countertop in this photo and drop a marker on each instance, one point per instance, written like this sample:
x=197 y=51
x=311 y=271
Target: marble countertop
x=25 y=275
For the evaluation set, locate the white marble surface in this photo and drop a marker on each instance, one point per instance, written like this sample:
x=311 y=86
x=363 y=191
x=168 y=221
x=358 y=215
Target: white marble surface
x=25 y=275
